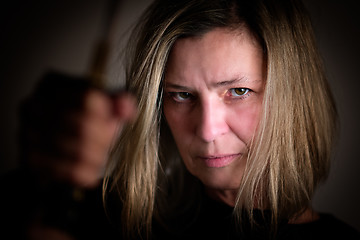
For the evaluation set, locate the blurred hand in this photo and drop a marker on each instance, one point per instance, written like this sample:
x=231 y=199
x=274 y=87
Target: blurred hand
x=67 y=128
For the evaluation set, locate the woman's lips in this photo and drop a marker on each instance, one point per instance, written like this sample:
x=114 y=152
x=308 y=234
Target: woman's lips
x=218 y=161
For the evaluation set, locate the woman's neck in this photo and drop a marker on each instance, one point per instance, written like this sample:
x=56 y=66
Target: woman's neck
x=225 y=196
x=309 y=215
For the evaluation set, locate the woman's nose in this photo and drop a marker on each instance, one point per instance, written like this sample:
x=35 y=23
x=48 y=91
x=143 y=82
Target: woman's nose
x=211 y=120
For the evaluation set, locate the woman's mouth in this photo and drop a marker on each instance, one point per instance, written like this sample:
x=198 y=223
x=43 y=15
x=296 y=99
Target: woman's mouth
x=219 y=161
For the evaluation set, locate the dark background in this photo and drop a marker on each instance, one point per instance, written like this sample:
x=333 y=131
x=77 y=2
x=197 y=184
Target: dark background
x=39 y=35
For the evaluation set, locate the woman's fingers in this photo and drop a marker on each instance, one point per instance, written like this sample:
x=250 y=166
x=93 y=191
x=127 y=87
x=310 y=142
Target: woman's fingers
x=98 y=124
x=68 y=128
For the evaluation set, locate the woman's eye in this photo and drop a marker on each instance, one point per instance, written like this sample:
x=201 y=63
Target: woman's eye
x=181 y=96
x=239 y=92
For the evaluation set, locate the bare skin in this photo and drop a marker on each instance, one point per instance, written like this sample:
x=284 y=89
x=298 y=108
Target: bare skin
x=309 y=215
x=214 y=90
x=68 y=130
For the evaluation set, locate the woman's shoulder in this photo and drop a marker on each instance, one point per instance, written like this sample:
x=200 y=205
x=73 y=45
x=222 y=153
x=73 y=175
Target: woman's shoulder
x=325 y=227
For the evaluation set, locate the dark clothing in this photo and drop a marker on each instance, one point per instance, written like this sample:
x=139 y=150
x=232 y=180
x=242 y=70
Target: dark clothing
x=81 y=214
x=215 y=221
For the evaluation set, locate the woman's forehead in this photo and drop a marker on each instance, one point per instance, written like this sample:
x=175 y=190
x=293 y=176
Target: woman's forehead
x=218 y=56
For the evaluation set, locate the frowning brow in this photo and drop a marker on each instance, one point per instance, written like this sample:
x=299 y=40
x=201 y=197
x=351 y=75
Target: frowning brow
x=226 y=83
x=231 y=82
x=176 y=86
x=236 y=81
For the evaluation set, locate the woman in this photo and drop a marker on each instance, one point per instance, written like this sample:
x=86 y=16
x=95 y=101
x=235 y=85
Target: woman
x=234 y=113
x=234 y=130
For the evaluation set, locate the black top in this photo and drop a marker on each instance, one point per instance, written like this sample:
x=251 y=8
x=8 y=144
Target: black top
x=81 y=214
x=215 y=221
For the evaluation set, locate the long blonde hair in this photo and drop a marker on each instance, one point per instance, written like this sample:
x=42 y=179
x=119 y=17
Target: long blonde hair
x=290 y=151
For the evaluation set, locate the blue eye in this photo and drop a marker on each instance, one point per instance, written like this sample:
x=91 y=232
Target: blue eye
x=239 y=92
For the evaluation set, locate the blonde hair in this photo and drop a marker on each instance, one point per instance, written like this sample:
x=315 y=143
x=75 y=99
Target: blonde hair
x=290 y=152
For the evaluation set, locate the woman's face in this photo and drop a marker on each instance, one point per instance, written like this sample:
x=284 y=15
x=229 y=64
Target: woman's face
x=213 y=97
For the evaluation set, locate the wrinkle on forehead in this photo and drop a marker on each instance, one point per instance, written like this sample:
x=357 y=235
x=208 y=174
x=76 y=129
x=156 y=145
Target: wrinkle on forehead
x=204 y=53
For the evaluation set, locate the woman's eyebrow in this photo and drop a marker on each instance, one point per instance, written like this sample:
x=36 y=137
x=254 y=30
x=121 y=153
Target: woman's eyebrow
x=226 y=83
x=234 y=81
x=176 y=86
x=231 y=82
